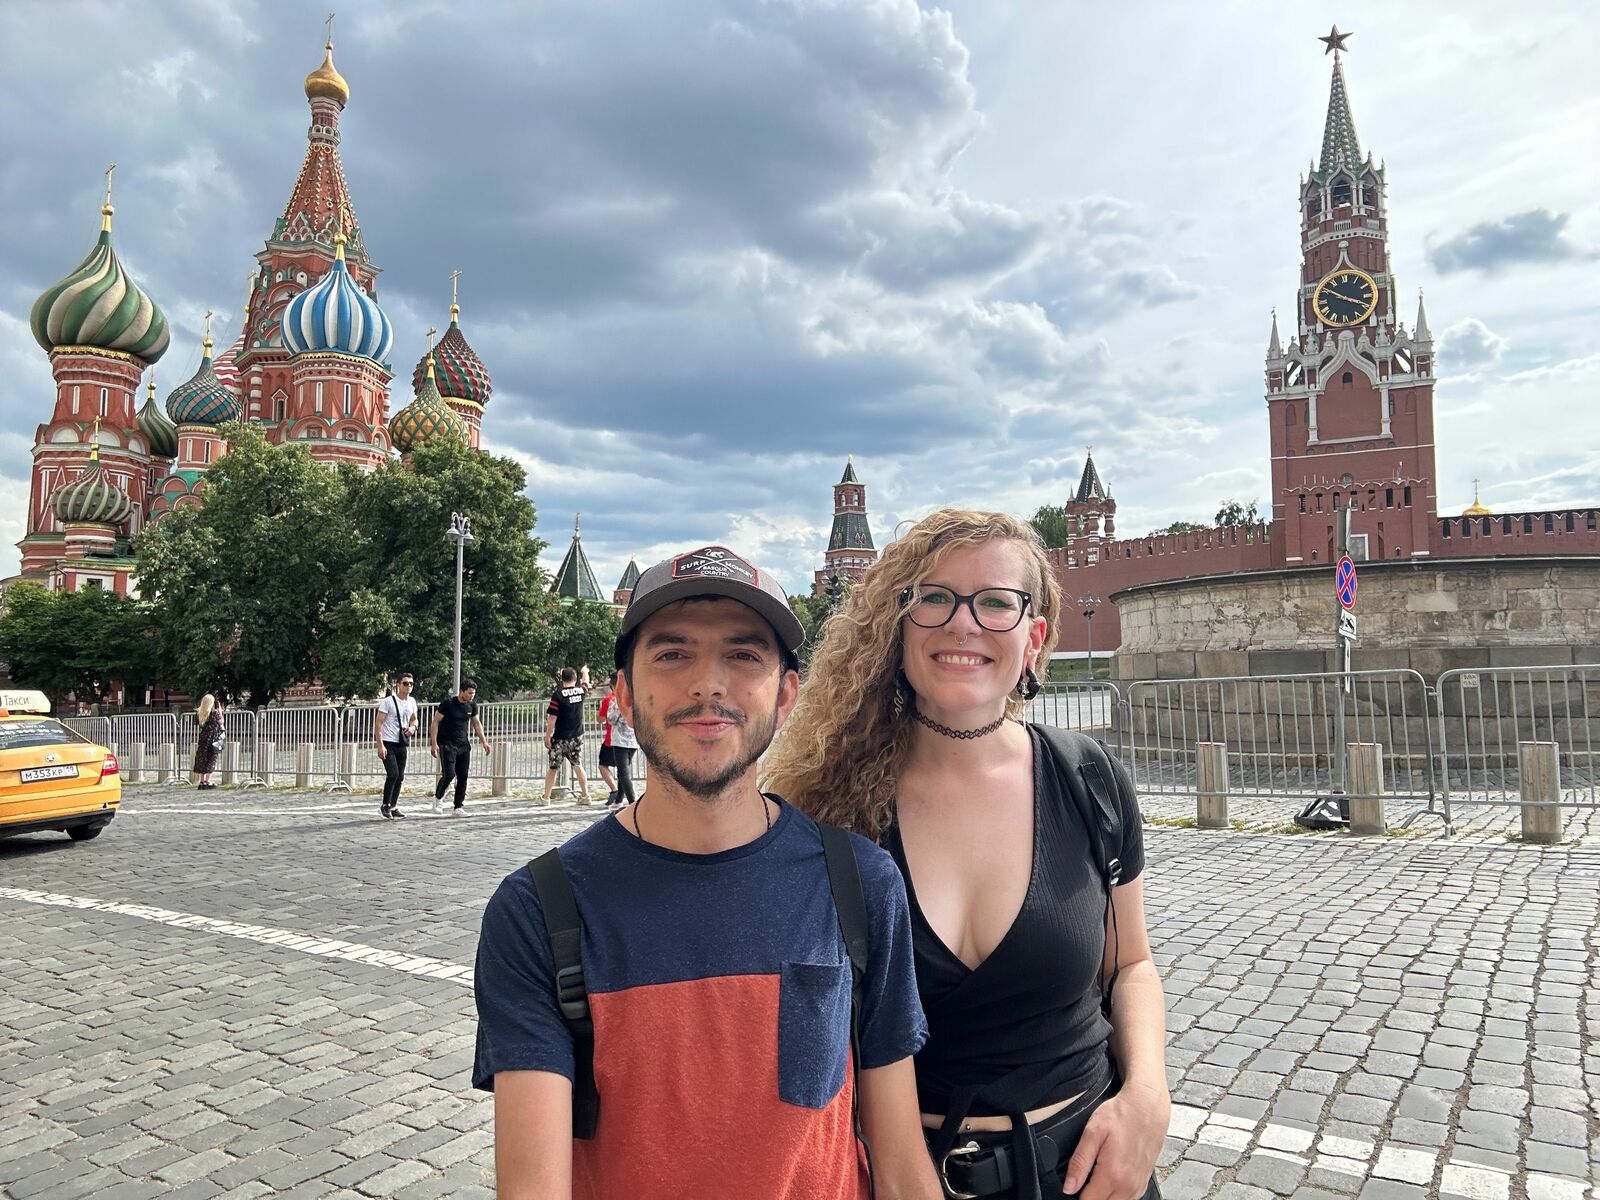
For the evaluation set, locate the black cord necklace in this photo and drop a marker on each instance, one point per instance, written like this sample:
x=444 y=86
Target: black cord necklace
x=765 y=812
x=963 y=735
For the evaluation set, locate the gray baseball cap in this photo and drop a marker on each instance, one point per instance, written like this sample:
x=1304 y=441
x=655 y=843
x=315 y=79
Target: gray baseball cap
x=710 y=571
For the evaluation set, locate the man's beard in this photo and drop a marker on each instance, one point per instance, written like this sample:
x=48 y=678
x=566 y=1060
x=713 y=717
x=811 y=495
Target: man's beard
x=754 y=738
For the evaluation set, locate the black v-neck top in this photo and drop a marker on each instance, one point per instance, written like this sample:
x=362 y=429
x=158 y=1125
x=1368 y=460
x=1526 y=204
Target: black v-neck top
x=1024 y=1029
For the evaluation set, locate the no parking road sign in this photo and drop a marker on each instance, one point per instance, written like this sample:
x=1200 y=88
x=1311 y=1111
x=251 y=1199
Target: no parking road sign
x=1344 y=581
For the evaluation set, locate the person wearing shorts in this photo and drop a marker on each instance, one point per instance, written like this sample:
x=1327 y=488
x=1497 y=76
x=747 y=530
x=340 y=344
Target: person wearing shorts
x=563 y=731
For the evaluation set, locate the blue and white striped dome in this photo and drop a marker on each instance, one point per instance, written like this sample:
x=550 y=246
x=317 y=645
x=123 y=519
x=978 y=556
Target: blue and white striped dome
x=335 y=315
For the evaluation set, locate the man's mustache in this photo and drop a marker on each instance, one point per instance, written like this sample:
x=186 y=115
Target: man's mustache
x=699 y=711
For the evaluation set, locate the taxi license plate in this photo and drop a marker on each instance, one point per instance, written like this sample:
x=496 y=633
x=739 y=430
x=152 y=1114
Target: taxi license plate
x=35 y=774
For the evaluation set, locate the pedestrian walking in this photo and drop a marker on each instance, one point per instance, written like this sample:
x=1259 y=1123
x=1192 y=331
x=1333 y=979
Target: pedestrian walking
x=449 y=740
x=607 y=756
x=393 y=727
x=563 y=731
x=623 y=743
x=1022 y=852
x=208 y=741
x=647 y=1026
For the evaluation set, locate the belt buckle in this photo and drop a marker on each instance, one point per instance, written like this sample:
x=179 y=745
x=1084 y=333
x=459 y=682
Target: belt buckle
x=944 y=1165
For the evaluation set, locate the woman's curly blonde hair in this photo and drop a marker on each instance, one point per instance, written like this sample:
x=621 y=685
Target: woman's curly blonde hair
x=843 y=746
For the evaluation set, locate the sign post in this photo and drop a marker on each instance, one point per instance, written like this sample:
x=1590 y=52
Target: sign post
x=1333 y=810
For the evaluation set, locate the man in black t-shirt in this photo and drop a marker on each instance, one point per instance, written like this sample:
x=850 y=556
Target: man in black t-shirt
x=563 y=731
x=450 y=744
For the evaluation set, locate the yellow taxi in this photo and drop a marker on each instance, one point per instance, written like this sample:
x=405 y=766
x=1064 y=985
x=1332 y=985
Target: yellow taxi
x=51 y=777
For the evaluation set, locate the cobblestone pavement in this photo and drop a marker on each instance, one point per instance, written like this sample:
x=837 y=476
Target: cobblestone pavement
x=269 y=994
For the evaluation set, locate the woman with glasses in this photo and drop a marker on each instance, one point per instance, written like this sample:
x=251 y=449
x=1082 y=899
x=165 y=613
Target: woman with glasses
x=1043 y=1073
x=394 y=725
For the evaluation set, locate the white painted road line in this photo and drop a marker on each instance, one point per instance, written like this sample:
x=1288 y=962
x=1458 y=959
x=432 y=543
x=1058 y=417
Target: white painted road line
x=320 y=947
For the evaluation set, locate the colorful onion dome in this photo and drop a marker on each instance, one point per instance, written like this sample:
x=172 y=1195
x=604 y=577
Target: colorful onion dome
x=326 y=82
x=92 y=497
x=335 y=315
x=425 y=419
x=461 y=374
x=158 y=432
x=202 y=399
x=99 y=305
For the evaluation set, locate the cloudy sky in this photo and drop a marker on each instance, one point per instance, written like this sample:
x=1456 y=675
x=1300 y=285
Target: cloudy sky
x=711 y=247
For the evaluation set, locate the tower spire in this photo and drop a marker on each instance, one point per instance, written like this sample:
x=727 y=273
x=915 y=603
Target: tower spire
x=455 y=306
x=1339 y=141
x=1274 y=347
x=1422 y=333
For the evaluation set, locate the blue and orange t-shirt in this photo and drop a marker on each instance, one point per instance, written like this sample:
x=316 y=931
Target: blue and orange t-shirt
x=720 y=991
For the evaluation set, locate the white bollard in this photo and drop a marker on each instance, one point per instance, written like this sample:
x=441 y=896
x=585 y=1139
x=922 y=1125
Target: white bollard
x=302 y=765
x=1364 y=787
x=134 y=772
x=1211 y=792
x=166 y=762
x=347 y=764
x=1540 y=764
x=230 y=763
x=266 y=757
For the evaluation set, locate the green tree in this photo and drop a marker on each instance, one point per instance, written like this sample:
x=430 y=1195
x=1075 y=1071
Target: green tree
x=240 y=584
x=1177 y=527
x=394 y=607
x=580 y=633
x=76 y=643
x=1234 y=513
x=1052 y=523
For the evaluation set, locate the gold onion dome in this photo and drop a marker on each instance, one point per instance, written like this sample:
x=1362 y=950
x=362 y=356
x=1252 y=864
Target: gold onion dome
x=326 y=81
x=426 y=419
x=158 y=432
x=91 y=498
x=100 y=306
x=1477 y=509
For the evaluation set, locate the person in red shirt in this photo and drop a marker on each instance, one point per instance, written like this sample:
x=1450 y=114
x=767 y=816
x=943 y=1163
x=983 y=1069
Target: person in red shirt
x=608 y=760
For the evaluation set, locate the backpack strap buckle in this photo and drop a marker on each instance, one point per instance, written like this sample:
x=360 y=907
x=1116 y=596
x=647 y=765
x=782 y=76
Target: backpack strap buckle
x=572 y=994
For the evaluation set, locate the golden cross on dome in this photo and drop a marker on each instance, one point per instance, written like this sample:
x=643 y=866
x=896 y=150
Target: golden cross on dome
x=431 y=332
x=1335 y=41
x=105 y=208
x=454 y=275
x=330 y=28
x=112 y=167
x=94 y=445
x=208 y=322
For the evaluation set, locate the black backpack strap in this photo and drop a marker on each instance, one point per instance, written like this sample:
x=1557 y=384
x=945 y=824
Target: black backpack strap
x=844 y=880
x=1089 y=776
x=565 y=927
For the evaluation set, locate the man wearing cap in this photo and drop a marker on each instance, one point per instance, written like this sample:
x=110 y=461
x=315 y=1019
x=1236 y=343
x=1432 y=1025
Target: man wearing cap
x=718 y=986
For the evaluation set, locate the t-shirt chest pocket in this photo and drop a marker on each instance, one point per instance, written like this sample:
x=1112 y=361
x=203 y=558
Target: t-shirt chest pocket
x=813 y=1032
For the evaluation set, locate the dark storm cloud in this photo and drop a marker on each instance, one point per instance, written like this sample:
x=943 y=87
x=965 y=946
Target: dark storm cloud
x=1537 y=235
x=708 y=248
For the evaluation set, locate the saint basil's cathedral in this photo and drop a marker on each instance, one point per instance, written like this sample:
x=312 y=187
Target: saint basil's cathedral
x=310 y=366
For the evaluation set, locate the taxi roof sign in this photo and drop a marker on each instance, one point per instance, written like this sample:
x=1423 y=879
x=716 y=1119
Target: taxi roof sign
x=23 y=701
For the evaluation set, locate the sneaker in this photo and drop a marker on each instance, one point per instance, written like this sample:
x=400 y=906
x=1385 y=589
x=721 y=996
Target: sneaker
x=395 y=814
x=458 y=811
x=385 y=813
x=611 y=798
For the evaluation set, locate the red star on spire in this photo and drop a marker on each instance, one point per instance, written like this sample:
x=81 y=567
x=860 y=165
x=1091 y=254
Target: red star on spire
x=1335 y=41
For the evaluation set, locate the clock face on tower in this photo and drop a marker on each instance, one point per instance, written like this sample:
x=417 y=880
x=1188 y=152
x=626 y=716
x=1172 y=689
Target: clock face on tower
x=1345 y=297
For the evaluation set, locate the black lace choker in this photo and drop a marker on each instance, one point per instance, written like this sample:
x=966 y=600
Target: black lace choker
x=963 y=735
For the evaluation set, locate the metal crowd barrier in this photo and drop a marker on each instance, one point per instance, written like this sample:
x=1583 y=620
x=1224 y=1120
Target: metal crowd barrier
x=1282 y=733
x=1486 y=717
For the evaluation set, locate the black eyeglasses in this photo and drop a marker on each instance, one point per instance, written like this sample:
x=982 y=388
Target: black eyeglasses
x=403 y=683
x=999 y=610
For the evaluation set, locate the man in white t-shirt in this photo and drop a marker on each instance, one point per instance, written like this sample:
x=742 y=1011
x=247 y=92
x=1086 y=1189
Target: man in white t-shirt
x=393 y=727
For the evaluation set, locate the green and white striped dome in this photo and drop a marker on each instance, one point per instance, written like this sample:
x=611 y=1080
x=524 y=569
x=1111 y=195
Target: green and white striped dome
x=91 y=497
x=99 y=305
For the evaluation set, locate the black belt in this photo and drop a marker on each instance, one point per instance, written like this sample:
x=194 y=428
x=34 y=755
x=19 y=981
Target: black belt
x=1025 y=1153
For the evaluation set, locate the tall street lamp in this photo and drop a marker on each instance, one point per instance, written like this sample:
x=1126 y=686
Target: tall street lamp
x=460 y=532
x=1087 y=604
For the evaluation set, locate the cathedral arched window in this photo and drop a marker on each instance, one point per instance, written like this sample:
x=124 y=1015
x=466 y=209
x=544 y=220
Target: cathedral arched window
x=348 y=401
x=1341 y=194
x=1347 y=379
x=105 y=402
